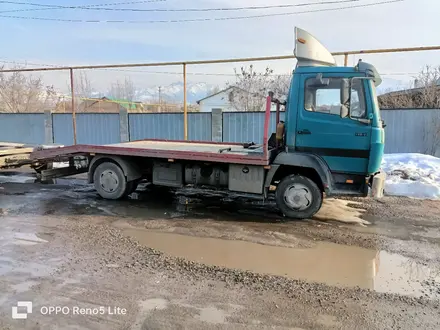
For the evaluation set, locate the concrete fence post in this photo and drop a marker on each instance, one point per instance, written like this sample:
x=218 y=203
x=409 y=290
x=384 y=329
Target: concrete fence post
x=48 y=127
x=217 y=125
x=123 y=125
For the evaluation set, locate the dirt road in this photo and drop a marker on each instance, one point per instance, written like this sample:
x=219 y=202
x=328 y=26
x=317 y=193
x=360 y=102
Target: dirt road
x=166 y=261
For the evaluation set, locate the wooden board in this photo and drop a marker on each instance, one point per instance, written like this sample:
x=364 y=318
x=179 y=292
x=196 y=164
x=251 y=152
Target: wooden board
x=14 y=160
x=11 y=145
x=15 y=151
x=14 y=154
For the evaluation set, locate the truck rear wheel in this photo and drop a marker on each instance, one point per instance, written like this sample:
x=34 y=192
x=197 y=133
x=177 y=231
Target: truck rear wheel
x=298 y=197
x=110 y=181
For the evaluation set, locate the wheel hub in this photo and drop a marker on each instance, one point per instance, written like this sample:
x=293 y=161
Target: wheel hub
x=298 y=197
x=109 y=181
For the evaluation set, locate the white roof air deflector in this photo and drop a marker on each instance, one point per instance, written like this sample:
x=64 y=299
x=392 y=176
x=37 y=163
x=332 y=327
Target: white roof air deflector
x=310 y=52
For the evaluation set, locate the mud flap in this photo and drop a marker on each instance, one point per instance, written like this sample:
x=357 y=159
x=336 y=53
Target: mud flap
x=378 y=185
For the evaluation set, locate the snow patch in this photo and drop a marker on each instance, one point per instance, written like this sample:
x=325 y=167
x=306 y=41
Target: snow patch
x=412 y=175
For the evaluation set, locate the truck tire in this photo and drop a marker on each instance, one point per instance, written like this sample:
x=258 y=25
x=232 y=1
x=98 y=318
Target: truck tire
x=110 y=181
x=298 y=197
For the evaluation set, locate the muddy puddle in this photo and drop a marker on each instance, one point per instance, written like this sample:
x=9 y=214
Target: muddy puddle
x=23 y=177
x=328 y=263
x=12 y=177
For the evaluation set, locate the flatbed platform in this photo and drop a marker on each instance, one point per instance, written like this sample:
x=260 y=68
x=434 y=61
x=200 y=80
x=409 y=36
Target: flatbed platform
x=199 y=151
x=220 y=152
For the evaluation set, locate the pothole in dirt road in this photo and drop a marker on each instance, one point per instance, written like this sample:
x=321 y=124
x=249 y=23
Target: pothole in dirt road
x=329 y=263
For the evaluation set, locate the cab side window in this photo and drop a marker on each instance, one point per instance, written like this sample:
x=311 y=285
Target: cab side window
x=324 y=99
x=357 y=99
x=327 y=99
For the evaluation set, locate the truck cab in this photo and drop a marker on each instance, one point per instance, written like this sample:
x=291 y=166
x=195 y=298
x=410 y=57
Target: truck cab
x=333 y=130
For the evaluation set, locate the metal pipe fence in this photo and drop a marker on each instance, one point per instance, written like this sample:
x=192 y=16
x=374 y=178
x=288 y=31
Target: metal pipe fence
x=185 y=66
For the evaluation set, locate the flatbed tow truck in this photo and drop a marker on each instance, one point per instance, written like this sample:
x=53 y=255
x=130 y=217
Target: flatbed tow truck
x=331 y=143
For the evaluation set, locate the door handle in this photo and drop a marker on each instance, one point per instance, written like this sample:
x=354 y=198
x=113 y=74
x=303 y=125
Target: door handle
x=304 y=132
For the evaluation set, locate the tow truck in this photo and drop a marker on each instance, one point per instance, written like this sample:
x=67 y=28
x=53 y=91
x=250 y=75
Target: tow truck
x=331 y=143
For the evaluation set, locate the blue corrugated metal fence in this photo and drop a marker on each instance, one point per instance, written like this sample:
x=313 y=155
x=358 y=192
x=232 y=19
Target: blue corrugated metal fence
x=22 y=127
x=406 y=131
x=412 y=131
x=169 y=126
x=246 y=126
x=91 y=128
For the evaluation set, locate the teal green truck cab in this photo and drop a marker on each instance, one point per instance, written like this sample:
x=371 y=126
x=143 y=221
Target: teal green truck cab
x=333 y=133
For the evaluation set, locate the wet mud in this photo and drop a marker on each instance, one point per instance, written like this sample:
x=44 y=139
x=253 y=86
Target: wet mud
x=175 y=259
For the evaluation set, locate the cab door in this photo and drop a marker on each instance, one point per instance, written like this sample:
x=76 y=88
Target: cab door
x=344 y=143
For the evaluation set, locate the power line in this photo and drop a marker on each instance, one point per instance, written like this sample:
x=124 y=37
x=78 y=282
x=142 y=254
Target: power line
x=28 y=63
x=199 y=19
x=98 y=7
x=94 y=5
x=54 y=7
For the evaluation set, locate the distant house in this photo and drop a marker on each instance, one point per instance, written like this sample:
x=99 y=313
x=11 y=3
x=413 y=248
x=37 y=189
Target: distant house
x=105 y=104
x=224 y=100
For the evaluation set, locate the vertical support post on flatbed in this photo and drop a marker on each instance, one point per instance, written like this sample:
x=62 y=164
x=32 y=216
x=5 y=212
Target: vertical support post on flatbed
x=72 y=91
x=345 y=59
x=266 y=125
x=277 y=120
x=278 y=112
x=185 y=109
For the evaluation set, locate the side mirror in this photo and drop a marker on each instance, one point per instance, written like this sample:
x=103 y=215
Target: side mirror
x=344 y=111
x=345 y=93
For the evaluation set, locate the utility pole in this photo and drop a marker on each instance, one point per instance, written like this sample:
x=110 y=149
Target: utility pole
x=160 y=98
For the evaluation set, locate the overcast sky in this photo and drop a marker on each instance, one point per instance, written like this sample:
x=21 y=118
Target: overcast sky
x=400 y=24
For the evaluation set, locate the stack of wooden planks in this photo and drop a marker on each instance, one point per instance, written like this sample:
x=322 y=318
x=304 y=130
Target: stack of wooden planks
x=14 y=155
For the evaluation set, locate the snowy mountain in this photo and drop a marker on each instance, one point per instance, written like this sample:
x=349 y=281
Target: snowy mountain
x=174 y=92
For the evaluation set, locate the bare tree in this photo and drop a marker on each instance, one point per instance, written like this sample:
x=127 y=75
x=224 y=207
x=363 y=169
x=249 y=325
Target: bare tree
x=423 y=93
x=24 y=93
x=253 y=87
x=123 y=91
x=83 y=86
x=429 y=95
x=396 y=99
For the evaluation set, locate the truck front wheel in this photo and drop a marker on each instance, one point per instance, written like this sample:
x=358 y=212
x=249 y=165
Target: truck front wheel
x=298 y=197
x=110 y=181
